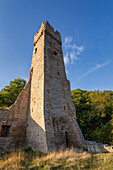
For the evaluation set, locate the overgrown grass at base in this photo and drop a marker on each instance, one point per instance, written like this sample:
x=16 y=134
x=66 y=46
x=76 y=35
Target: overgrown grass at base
x=67 y=159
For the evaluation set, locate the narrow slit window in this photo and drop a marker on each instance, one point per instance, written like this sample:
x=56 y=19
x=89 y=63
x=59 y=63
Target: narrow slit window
x=66 y=136
x=5 y=131
x=58 y=73
x=35 y=50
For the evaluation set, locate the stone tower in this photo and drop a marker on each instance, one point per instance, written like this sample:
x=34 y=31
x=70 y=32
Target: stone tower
x=43 y=116
x=52 y=119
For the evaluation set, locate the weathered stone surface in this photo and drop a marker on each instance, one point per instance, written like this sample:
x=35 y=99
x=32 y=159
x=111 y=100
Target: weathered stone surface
x=43 y=116
x=94 y=147
x=51 y=119
x=15 y=117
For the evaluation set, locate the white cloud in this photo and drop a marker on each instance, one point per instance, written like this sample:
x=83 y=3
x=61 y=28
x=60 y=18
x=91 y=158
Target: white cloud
x=72 y=50
x=98 y=66
x=73 y=57
x=67 y=41
x=67 y=72
x=66 y=58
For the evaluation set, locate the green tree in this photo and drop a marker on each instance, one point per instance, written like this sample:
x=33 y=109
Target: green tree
x=94 y=114
x=9 y=94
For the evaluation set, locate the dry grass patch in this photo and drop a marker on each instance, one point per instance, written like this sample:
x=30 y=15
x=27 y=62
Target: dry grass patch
x=62 y=160
x=12 y=161
x=103 y=161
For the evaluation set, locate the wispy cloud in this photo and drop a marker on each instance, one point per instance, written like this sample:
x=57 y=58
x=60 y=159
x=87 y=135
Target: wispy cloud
x=73 y=56
x=72 y=51
x=98 y=66
x=66 y=58
x=67 y=72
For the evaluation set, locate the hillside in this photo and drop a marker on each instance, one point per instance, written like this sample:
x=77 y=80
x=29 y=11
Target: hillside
x=94 y=111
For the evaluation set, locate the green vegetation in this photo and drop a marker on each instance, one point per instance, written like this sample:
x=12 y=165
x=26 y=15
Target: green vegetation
x=67 y=159
x=95 y=114
x=9 y=94
x=94 y=110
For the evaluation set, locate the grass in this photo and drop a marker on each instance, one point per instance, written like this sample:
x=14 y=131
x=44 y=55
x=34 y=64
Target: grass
x=62 y=160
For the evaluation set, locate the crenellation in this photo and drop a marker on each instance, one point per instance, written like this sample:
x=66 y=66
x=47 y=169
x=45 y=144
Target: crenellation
x=47 y=29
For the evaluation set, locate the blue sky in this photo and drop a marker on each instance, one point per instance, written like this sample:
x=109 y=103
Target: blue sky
x=86 y=27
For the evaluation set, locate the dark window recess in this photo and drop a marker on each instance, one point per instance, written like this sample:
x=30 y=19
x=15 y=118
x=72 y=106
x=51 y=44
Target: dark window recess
x=64 y=107
x=58 y=73
x=35 y=50
x=55 y=53
x=57 y=64
x=5 y=131
x=66 y=136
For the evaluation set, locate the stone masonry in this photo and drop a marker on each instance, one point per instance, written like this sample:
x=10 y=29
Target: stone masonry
x=43 y=116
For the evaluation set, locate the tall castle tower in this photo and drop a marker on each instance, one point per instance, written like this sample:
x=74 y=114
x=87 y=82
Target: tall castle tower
x=43 y=116
x=52 y=119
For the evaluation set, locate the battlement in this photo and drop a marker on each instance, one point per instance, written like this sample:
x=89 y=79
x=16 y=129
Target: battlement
x=49 y=30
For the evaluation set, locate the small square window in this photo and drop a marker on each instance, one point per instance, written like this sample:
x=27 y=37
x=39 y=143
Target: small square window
x=5 y=131
x=55 y=53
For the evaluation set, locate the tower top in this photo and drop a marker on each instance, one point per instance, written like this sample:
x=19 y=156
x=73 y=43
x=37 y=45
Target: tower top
x=47 y=28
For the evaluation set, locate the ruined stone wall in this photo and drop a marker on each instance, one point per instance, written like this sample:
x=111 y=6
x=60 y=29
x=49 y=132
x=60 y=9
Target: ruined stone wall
x=36 y=137
x=13 y=122
x=93 y=147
